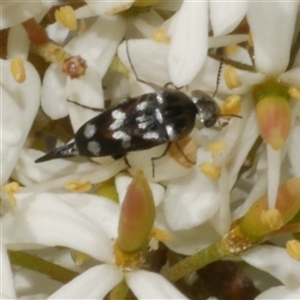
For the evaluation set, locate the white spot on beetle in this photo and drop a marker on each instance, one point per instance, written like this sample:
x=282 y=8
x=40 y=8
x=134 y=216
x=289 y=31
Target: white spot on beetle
x=121 y=135
x=151 y=135
x=171 y=133
x=158 y=116
x=89 y=130
x=142 y=106
x=94 y=147
x=119 y=117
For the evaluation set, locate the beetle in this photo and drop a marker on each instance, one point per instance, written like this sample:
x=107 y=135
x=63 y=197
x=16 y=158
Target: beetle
x=139 y=123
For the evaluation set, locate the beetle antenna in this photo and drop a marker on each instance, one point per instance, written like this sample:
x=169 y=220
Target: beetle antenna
x=219 y=76
x=132 y=67
x=85 y=106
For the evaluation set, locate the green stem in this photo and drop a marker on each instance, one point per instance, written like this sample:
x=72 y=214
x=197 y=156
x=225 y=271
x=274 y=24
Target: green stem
x=119 y=292
x=192 y=263
x=40 y=265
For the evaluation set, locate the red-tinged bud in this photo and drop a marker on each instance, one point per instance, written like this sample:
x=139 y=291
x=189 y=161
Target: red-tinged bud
x=273 y=111
x=257 y=223
x=137 y=215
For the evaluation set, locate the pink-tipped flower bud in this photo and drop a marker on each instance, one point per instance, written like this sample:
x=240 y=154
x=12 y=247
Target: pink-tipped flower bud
x=137 y=215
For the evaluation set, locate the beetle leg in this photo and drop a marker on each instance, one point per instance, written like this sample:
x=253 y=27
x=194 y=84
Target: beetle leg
x=158 y=157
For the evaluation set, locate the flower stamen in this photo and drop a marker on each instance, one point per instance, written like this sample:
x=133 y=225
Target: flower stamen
x=77 y=186
x=231 y=106
x=231 y=77
x=293 y=248
x=294 y=92
x=18 y=70
x=65 y=16
x=10 y=189
x=160 y=36
x=210 y=170
x=273 y=218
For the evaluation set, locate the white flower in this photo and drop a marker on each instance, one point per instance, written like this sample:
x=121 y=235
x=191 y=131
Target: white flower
x=88 y=224
x=20 y=103
x=194 y=209
x=276 y=262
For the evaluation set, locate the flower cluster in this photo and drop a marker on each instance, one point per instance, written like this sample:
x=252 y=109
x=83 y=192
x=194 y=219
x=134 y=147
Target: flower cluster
x=107 y=228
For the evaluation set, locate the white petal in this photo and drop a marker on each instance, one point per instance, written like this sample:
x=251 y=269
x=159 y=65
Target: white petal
x=86 y=90
x=276 y=262
x=163 y=168
x=82 y=172
x=280 y=292
x=103 y=212
x=21 y=101
x=238 y=137
x=225 y=16
x=272 y=27
x=94 y=283
x=57 y=33
x=189 y=42
x=257 y=191
x=274 y=164
x=152 y=70
x=97 y=48
x=54 y=97
x=13 y=13
x=98 y=51
x=109 y=7
x=148 y=285
x=206 y=79
x=291 y=77
x=27 y=172
x=46 y=219
x=7 y=281
x=294 y=150
x=18 y=43
x=191 y=200
x=187 y=242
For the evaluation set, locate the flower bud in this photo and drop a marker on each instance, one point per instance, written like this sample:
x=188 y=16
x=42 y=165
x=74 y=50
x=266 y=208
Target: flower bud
x=254 y=224
x=137 y=215
x=273 y=112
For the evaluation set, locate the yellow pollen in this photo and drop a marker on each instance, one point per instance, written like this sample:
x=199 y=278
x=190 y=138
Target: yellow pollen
x=80 y=258
x=230 y=49
x=210 y=170
x=215 y=147
x=161 y=235
x=10 y=189
x=118 y=66
x=65 y=16
x=77 y=186
x=18 y=70
x=232 y=105
x=127 y=260
x=231 y=77
x=273 y=218
x=294 y=92
x=160 y=36
x=293 y=248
